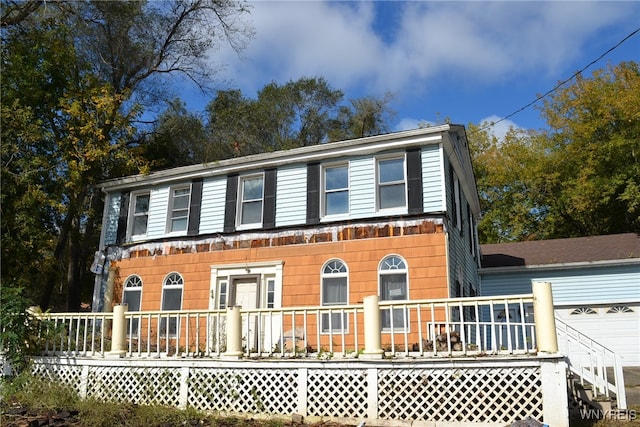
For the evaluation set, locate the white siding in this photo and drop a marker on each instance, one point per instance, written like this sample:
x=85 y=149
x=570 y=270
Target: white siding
x=619 y=331
x=291 y=195
x=213 y=203
x=432 y=178
x=362 y=187
x=158 y=205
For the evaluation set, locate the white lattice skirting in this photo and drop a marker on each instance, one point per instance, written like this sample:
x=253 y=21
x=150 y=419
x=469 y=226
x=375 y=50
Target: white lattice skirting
x=440 y=392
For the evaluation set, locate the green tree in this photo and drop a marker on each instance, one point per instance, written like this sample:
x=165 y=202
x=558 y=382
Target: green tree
x=581 y=177
x=178 y=139
x=75 y=75
x=299 y=113
x=595 y=153
x=510 y=176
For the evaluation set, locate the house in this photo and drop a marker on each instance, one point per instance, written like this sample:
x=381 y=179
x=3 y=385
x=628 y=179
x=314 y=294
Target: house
x=595 y=283
x=390 y=215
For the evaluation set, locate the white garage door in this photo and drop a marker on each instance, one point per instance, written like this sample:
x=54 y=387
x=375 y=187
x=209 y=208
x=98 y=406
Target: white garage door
x=617 y=327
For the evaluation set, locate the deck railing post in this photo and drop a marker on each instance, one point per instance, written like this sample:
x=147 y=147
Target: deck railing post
x=545 y=320
x=372 y=338
x=234 y=334
x=119 y=330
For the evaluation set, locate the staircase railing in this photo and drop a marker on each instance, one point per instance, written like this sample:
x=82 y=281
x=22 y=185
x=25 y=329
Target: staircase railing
x=590 y=361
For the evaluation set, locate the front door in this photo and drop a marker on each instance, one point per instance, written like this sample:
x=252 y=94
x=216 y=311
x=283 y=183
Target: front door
x=244 y=293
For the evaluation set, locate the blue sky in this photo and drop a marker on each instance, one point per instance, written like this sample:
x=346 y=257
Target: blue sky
x=468 y=61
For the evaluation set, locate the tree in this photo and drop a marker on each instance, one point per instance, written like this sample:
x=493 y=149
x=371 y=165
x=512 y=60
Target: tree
x=367 y=116
x=297 y=114
x=300 y=113
x=178 y=139
x=510 y=176
x=80 y=71
x=595 y=131
x=581 y=177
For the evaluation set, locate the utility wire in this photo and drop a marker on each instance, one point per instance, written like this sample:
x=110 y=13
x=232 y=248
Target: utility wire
x=556 y=87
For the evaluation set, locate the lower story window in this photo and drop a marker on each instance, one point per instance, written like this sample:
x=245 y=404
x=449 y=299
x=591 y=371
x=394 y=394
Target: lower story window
x=334 y=292
x=171 y=301
x=393 y=287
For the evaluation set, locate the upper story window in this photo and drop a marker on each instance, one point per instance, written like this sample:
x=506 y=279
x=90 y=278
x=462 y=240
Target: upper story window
x=139 y=215
x=178 y=216
x=391 y=183
x=251 y=200
x=393 y=287
x=336 y=190
x=334 y=292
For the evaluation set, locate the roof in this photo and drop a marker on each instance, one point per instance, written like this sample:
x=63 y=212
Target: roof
x=562 y=251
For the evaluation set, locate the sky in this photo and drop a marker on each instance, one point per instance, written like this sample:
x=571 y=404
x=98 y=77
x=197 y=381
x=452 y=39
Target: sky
x=466 y=61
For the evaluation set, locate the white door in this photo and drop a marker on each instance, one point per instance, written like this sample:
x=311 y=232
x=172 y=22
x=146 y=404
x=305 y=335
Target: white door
x=616 y=326
x=245 y=294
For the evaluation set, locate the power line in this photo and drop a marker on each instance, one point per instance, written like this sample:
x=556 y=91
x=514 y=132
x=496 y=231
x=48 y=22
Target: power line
x=556 y=87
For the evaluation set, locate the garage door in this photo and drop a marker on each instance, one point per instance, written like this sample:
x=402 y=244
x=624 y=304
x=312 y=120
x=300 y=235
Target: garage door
x=617 y=327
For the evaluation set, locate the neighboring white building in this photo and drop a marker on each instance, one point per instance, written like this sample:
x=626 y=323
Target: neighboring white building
x=595 y=282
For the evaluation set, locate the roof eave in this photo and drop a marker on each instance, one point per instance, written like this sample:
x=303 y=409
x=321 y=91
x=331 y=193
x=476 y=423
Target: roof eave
x=373 y=144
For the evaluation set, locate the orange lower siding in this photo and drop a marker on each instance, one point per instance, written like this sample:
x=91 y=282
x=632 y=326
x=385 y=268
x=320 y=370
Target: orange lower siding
x=425 y=255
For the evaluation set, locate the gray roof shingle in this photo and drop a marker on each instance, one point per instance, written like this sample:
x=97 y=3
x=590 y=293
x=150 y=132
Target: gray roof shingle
x=561 y=251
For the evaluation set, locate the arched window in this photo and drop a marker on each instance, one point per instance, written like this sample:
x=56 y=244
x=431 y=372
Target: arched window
x=334 y=291
x=132 y=296
x=392 y=274
x=171 y=300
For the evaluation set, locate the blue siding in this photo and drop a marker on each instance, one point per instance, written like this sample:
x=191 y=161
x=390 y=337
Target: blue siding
x=362 y=187
x=463 y=266
x=111 y=220
x=158 y=205
x=432 y=175
x=291 y=202
x=212 y=208
x=291 y=195
x=596 y=284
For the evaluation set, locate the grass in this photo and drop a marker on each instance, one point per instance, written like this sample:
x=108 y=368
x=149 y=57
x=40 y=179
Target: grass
x=42 y=397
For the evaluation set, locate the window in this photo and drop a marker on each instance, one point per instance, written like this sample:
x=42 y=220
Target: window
x=222 y=297
x=620 y=309
x=583 y=310
x=139 y=216
x=393 y=287
x=271 y=293
x=251 y=197
x=391 y=183
x=132 y=295
x=179 y=209
x=171 y=301
x=336 y=190
x=334 y=292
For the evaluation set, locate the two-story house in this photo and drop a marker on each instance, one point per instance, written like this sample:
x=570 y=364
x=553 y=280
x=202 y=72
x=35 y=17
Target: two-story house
x=392 y=215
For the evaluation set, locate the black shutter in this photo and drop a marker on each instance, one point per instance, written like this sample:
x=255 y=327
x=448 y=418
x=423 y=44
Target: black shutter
x=454 y=204
x=121 y=234
x=194 y=207
x=230 y=204
x=414 y=180
x=269 y=205
x=313 y=193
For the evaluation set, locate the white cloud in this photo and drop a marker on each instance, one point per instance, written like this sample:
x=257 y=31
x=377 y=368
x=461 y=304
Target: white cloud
x=499 y=130
x=471 y=41
x=464 y=47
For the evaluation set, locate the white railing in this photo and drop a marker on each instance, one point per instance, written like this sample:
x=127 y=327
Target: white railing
x=590 y=361
x=421 y=328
